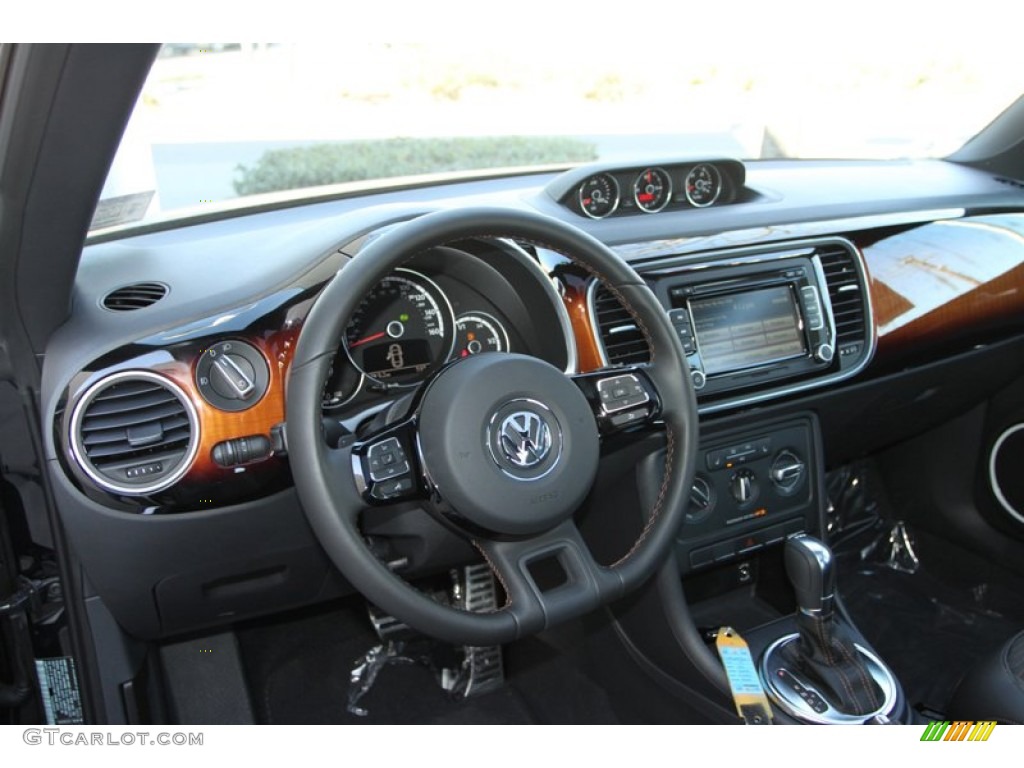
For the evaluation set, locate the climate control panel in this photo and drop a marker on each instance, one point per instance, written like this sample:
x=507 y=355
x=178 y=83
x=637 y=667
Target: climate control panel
x=751 y=490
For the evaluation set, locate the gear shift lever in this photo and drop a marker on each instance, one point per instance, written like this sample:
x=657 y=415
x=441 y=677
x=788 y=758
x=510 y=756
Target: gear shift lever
x=811 y=572
x=821 y=672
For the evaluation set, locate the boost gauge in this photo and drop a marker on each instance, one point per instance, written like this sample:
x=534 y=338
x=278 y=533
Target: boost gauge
x=703 y=185
x=599 y=196
x=652 y=190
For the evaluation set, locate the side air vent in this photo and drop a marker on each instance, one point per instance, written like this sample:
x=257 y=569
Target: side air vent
x=134 y=433
x=134 y=296
x=846 y=293
x=622 y=340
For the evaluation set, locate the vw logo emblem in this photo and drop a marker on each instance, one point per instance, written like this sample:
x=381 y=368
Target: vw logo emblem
x=525 y=439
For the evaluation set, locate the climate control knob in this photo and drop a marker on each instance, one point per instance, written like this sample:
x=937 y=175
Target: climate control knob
x=743 y=486
x=787 y=472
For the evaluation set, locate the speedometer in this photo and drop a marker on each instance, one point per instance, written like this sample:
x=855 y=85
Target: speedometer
x=403 y=330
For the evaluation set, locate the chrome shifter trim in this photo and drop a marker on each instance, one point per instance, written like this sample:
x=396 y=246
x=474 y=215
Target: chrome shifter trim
x=789 y=700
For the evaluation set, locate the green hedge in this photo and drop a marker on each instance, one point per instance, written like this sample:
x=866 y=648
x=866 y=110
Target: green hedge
x=333 y=163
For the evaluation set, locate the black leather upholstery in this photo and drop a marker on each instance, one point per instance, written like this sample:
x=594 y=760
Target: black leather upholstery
x=826 y=657
x=994 y=688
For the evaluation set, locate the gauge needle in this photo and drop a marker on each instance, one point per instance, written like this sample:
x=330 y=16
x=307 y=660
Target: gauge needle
x=367 y=340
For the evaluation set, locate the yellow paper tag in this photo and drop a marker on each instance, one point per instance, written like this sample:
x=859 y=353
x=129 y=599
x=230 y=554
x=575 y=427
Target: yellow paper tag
x=747 y=693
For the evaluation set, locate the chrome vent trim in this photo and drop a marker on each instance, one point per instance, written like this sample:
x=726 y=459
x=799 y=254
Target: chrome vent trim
x=133 y=419
x=845 y=292
x=129 y=298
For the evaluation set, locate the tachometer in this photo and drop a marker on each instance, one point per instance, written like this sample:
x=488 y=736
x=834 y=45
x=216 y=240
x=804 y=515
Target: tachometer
x=652 y=190
x=599 y=196
x=703 y=185
x=403 y=330
x=477 y=332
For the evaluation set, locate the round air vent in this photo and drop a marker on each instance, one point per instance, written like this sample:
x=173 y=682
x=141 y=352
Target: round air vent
x=1004 y=465
x=135 y=296
x=134 y=433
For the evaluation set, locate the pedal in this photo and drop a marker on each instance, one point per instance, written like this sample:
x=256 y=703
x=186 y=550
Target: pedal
x=482 y=669
x=387 y=627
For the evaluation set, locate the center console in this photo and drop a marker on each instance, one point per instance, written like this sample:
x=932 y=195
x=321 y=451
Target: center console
x=748 y=558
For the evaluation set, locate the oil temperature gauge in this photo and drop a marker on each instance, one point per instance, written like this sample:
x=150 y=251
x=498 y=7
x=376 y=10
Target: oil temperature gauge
x=477 y=332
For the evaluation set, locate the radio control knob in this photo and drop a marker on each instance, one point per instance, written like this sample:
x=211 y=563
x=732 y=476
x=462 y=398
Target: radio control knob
x=699 y=379
x=824 y=353
x=743 y=486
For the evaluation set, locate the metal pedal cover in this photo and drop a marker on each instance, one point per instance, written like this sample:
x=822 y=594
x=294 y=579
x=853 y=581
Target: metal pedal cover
x=387 y=627
x=482 y=668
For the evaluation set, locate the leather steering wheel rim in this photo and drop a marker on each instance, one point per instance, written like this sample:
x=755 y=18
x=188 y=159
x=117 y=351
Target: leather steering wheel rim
x=332 y=501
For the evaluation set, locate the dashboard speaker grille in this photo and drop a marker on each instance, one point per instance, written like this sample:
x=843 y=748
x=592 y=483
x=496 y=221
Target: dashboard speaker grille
x=134 y=296
x=622 y=340
x=846 y=293
x=134 y=433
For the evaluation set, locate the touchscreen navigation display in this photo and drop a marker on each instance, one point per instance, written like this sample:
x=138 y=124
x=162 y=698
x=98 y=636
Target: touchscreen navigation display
x=743 y=330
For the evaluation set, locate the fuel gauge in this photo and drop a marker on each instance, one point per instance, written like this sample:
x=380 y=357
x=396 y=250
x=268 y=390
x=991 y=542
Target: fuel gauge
x=478 y=332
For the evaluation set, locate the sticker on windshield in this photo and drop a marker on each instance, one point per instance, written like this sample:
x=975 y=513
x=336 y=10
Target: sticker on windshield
x=123 y=209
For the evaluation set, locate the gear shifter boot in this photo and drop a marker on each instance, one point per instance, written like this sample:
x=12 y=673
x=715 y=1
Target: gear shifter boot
x=825 y=657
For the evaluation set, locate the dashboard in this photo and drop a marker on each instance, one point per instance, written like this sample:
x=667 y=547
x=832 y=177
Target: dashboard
x=167 y=387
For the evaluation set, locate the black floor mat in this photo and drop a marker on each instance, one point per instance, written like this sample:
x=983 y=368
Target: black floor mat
x=299 y=669
x=298 y=672
x=932 y=625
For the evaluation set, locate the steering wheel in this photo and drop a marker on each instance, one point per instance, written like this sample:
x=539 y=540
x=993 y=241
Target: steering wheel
x=502 y=447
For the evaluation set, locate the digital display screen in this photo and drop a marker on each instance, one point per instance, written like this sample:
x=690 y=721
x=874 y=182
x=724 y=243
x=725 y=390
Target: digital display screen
x=394 y=357
x=743 y=330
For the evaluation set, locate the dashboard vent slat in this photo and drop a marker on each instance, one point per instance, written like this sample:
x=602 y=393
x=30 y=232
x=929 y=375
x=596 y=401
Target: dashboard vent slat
x=135 y=296
x=622 y=340
x=134 y=433
x=845 y=293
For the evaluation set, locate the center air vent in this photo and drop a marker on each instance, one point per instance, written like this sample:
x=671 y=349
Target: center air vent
x=622 y=340
x=134 y=296
x=134 y=433
x=846 y=293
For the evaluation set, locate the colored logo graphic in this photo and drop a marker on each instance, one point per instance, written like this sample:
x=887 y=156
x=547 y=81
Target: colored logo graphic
x=958 y=730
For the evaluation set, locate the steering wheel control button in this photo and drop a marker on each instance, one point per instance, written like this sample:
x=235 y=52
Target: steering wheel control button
x=232 y=375
x=391 y=489
x=625 y=418
x=620 y=393
x=386 y=460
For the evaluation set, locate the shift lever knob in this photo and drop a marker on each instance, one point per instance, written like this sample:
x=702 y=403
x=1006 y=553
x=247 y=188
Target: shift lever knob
x=811 y=572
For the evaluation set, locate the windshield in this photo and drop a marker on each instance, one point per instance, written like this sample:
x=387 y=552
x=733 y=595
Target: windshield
x=218 y=123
